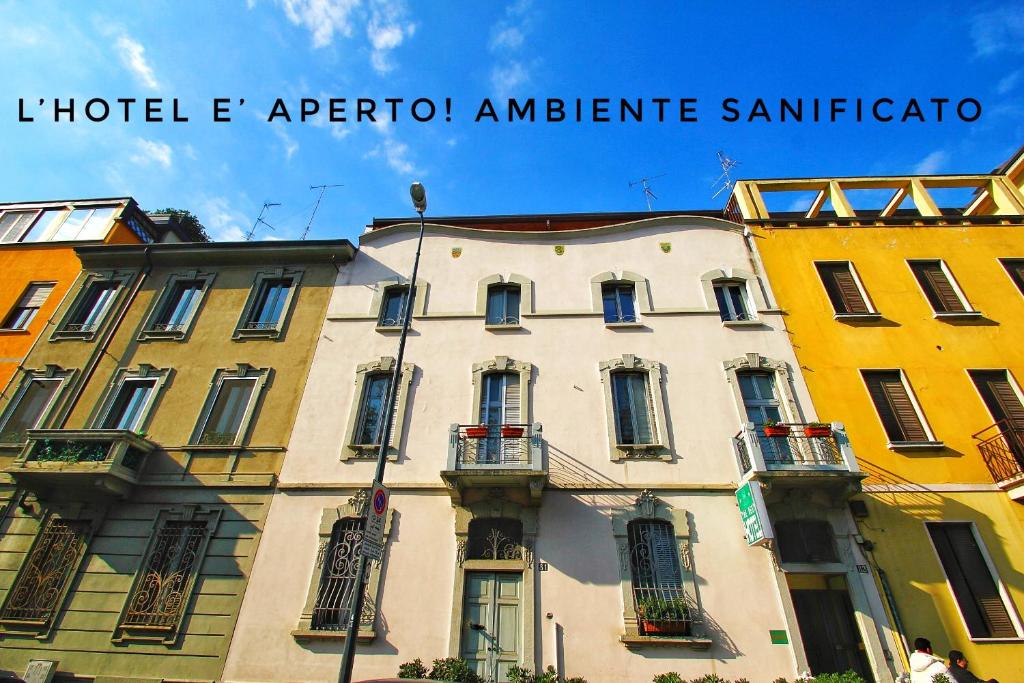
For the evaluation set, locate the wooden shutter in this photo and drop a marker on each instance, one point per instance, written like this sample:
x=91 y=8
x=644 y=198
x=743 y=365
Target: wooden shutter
x=13 y=223
x=999 y=396
x=937 y=287
x=394 y=413
x=974 y=587
x=895 y=408
x=512 y=399
x=36 y=295
x=841 y=287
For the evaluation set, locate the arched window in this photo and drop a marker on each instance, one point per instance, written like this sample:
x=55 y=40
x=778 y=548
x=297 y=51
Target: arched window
x=657 y=579
x=331 y=611
x=806 y=540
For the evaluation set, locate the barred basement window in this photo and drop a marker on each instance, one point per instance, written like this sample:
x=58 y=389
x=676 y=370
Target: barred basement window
x=657 y=578
x=334 y=596
x=39 y=589
x=158 y=599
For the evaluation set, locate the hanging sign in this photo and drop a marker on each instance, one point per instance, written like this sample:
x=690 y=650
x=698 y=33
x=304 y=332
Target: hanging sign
x=754 y=514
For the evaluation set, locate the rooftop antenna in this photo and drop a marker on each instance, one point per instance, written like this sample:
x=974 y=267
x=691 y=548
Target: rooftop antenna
x=725 y=180
x=322 y=188
x=259 y=219
x=643 y=182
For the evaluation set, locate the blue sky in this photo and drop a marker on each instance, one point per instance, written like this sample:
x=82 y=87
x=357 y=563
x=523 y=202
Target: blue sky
x=264 y=49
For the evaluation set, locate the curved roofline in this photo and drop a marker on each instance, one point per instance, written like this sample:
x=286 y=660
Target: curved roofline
x=551 y=235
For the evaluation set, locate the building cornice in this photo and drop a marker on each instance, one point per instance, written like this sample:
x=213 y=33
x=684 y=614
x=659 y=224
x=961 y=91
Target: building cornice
x=291 y=252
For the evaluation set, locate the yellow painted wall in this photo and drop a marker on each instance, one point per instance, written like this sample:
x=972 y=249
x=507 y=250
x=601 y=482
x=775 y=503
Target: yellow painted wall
x=935 y=357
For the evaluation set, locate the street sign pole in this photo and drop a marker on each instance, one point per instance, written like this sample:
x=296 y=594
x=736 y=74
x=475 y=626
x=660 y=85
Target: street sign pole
x=359 y=589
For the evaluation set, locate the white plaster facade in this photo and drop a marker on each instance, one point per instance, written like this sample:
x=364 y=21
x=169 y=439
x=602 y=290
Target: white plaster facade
x=575 y=609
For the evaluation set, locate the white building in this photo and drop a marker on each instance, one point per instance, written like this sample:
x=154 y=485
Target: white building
x=614 y=360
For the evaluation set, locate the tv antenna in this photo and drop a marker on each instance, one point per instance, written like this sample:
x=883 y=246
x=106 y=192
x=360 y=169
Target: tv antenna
x=259 y=219
x=725 y=180
x=644 y=183
x=322 y=188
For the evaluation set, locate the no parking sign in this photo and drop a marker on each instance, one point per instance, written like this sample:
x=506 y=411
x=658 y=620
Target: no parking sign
x=373 y=536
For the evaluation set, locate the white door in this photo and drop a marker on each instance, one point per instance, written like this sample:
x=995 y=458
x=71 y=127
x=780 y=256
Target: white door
x=491 y=628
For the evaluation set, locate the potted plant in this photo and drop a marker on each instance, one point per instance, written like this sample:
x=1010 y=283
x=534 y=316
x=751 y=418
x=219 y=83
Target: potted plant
x=511 y=431
x=773 y=428
x=817 y=429
x=477 y=432
x=665 y=617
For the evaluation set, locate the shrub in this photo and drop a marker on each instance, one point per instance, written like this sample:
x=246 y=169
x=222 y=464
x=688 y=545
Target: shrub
x=710 y=678
x=780 y=679
x=454 y=670
x=518 y=674
x=413 y=669
x=576 y=679
x=845 y=677
x=670 y=677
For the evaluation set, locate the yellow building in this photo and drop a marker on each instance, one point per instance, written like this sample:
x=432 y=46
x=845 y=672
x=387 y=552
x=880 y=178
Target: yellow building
x=907 y=321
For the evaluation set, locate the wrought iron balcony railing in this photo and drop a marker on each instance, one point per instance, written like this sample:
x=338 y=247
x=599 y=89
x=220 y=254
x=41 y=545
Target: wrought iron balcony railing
x=794 y=447
x=499 y=446
x=1002 y=447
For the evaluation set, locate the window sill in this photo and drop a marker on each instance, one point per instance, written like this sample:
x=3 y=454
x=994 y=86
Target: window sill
x=13 y=330
x=243 y=334
x=958 y=315
x=503 y=328
x=162 y=335
x=362 y=636
x=367 y=452
x=207 y=447
x=743 y=323
x=635 y=641
x=856 y=317
x=59 y=335
x=624 y=325
x=646 y=451
x=915 y=445
x=389 y=329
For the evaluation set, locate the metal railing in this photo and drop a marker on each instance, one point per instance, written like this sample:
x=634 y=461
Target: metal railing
x=1002 y=448
x=502 y=446
x=793 y=446
x=112 y=446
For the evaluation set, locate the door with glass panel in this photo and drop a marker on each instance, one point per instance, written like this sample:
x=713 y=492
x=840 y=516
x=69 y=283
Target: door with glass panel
x=491 y=624
x=761 y=403
x=500 y=404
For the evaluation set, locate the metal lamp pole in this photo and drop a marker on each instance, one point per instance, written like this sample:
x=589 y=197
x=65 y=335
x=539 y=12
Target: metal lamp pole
x=419 y=202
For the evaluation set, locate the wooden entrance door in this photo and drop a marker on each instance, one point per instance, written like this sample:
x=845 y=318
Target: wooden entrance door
x=491 y=624
x=832 y=642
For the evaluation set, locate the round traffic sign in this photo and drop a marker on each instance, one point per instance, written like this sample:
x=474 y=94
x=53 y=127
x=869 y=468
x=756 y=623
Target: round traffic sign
x=380 y=501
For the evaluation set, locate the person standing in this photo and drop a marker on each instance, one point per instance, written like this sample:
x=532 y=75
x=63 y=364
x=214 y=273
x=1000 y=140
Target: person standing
x=923 y=664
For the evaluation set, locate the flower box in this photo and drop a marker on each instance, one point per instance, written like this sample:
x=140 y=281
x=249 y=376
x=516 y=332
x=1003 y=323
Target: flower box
x=822 y=430
x=477 y=432
x=776 y=430
x=509 y=432
x=665 y=628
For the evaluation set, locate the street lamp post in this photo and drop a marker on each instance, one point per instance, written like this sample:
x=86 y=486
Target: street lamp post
x=419 y=203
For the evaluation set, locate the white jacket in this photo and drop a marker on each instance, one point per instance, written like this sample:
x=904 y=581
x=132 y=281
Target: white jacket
x=924 y=666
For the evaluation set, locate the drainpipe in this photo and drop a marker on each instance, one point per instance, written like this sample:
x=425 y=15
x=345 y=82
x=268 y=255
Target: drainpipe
x=757 y=267
x=104 y=341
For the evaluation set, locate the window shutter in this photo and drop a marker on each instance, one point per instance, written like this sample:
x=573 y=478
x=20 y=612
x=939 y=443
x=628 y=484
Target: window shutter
x=512 y=398
x=937 y=287
x=13 y=223
x=36 y=295
x=890 y=396
x=841 y=288
x=1015 y=267
x=646 y=428
x=666 y=565
x=392 y=438
x=974 y=587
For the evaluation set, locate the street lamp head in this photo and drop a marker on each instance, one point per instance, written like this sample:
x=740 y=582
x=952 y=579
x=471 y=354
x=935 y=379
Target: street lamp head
x=419 y=197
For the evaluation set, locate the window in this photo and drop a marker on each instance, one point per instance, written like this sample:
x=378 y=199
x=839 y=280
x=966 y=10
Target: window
x=29 y=407
x=392 y=308
x=130 y=405
x=500 y=404
x=45 y=576
x=365 y=426
x=806 y=540
x=633 y=409
x=895 y=406
x=225 y=418
x=89 y=309
x=617 y=299
x=84 y=224
x=843 y=288
x=14 y=223
x=1015 y=269
x=972 y=580
x=503 y=304
x=761 y=405
x=29 y=304
x=332 y=611
x=177 y=307
x=732 y=301
x=163 y=585
x=270 y=300
x=939 y=287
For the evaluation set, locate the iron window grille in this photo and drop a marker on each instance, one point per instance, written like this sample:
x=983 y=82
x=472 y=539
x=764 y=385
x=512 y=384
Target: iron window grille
x=40 y=587
x=732 y=301
x=503 y=303
x=336 y=590
x=659 y=597
x=618 y=302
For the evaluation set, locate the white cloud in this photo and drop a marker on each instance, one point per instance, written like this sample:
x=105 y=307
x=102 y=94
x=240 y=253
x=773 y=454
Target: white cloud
x=287 y=141
x=224 y=221
x=395 y=153
x=931 y=163
x=14 y=35
x=508 y=76
x=133 y=56
x=998 y=30
x=152 y=151
x=1009 y=82
x=190 y=152
x=508 y=37
x=386 y=30
x=322 y=18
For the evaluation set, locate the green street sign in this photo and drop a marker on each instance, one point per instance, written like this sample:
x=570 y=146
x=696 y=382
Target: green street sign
x=753 y=513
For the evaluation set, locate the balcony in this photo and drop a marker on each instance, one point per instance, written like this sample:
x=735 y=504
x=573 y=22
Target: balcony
x=484 y=457
x=793 y=455
x=93 y=463
x=1002 y=447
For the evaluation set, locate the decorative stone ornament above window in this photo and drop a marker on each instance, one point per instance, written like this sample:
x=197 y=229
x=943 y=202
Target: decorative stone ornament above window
x=90 y=309
x=269 y=305
x=658 y=447
x=751 y=286
x=334 y=571
x=354 y=446
x=173 y=313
